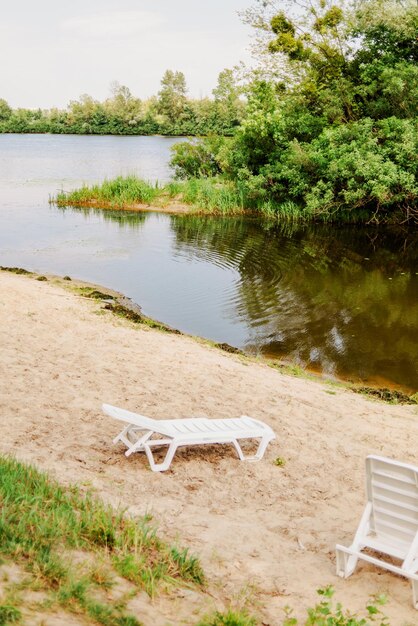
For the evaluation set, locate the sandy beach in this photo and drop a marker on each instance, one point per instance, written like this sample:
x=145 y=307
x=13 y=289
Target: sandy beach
x=265 y=534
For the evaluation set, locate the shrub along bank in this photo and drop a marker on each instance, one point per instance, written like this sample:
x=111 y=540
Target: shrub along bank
x=334 y=136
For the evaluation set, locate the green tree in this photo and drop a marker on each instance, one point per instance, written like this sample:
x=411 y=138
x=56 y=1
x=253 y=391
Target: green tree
x=172 y=95
x=5 y=110
x=229 y=107
x=122 y=108
x=82 y=114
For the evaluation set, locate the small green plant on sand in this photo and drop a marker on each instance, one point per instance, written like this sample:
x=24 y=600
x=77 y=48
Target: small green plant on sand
x=328 y=613
x=279 y=461
x=230 y=618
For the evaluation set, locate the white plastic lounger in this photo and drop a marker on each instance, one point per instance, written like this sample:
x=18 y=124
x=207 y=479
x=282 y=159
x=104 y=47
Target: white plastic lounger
x=389 y=523
x=143 y=433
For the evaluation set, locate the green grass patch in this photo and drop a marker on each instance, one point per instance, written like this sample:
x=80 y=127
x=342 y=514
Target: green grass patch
x=215 y=195
x=42 y=524
x=210 y=195
x=291 y=369
x=230 y=618
x=116 y=193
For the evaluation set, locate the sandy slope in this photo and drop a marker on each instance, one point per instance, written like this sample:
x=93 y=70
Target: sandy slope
x=263 y=532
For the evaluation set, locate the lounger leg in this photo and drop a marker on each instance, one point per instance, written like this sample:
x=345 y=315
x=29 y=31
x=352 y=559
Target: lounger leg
x=414 y=584
x=138 y=445
x=346 y=563
x=262 y=448
x=164 y=465
x=258 y=455
x=122 y=435
x=239 y=450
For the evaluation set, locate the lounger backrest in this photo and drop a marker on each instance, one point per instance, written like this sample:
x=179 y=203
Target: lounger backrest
x=147 y=423
x=392 y=488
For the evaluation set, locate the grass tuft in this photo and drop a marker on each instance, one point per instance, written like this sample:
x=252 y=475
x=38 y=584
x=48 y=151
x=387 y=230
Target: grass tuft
x=9 y=614
x=189 y=566
x=230 y=618
x=116 y=193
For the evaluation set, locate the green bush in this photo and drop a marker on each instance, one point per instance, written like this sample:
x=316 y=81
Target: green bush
x=339 y=141
x=199 y=159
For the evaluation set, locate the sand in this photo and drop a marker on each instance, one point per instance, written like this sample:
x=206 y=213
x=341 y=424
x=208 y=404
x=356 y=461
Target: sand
x=265 y=534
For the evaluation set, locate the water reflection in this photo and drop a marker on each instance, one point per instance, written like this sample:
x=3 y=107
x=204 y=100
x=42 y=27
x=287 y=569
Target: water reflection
x=133 y=220
x=342 y=301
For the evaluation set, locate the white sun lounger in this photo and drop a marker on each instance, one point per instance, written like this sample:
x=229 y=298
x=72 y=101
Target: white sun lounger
x=143 y=433
x=389 y=523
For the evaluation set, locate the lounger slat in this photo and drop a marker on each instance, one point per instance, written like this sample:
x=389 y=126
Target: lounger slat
x=402 y=501
x=184 y=428
x=398 y=508
x=211 y=426
x=203 y=424
x=403 y=477
x=389 y=521
x=393 y=488
x=239 y=423
x=398 y=550
x=223 y=425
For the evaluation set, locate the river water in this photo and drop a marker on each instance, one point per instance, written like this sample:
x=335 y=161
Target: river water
x=339 y=300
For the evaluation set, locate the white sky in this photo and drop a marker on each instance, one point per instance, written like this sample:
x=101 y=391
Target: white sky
x=52 y=51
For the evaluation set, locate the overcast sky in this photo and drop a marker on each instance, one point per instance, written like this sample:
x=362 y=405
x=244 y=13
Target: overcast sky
x=53 y=51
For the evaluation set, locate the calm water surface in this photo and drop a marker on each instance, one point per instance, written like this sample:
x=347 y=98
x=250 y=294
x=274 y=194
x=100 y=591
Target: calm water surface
x=342 y=301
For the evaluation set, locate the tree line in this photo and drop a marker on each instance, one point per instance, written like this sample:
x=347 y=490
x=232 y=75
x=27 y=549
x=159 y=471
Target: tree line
x=170 y=112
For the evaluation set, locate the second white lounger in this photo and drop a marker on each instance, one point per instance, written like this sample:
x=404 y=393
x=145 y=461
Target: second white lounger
x=141 y=434
x=389 y=524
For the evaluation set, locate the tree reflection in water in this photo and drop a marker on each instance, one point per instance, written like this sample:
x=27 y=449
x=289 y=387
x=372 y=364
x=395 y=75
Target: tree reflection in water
x=341 y=300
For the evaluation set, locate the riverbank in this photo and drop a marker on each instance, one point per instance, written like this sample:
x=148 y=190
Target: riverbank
x=256 y=527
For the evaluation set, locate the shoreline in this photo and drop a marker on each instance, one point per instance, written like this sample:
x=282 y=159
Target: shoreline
x=123 y=306
x=254 y=526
